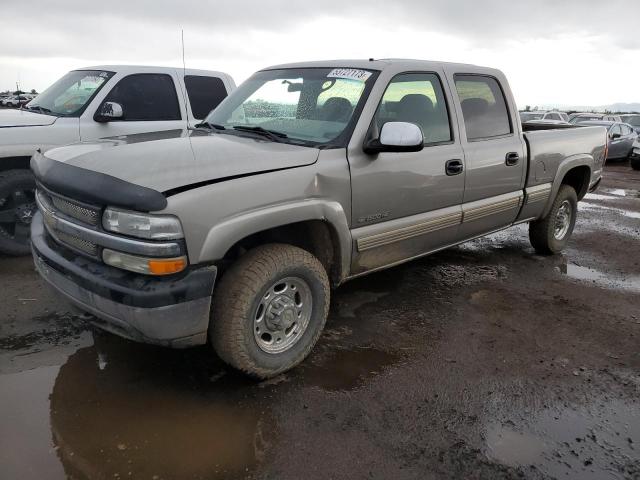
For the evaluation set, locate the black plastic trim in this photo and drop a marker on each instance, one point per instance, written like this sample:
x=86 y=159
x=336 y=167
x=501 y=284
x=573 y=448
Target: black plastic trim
x=118 y=285
x=204 y=183
x=94 y=187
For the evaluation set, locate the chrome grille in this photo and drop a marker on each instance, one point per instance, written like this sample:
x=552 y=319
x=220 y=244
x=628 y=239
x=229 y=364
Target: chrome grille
x=48 y=206
x=85 y=214
x=77 y=243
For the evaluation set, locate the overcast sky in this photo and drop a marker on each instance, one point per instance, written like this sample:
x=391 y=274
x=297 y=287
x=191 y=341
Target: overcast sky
x=565 y=52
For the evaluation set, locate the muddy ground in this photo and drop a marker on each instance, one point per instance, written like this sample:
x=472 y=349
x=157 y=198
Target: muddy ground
x=483 y=361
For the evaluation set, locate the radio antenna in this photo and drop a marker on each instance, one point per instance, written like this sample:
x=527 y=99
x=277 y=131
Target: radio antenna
x=184 y=79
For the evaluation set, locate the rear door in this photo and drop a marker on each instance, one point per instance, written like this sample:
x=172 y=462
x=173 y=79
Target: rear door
x=406 y=204
x=150 y=104
x=494 y=152
x=204 y=94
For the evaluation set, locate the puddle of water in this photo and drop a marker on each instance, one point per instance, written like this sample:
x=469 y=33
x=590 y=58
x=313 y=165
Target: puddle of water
x=598 y=196
x=26 y=448
x=601 y=279
x=619 y=211
x=124 y=410
x=586 y=443
x=514 y=448
x=347 y=305
x=619 y=192
x=346 y=370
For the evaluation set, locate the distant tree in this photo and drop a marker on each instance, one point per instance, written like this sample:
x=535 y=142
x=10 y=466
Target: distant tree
x=527 y=108
x=33 y=90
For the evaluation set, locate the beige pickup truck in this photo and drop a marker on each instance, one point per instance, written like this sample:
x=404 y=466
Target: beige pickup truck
x=306 y=176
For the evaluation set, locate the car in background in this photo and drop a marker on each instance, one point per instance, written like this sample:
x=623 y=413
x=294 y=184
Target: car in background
x=613 y=118
x=584 y=117
x=542 y=115
x=634 y=157
x=89 y=104
x=15 y=101
x=632 y=119
x=621 y=138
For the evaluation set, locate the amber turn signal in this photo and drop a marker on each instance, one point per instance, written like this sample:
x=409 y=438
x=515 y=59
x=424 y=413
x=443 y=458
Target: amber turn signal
x=167 y=266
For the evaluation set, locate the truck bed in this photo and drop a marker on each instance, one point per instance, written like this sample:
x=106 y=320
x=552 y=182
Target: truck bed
x=549 y=149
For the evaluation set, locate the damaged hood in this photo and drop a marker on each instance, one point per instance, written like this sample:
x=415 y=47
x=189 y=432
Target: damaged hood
x=24 y=118
x=176 y=159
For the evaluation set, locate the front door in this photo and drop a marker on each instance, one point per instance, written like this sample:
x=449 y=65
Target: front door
x=406 y=204
x=149 y=102
x=494 y=154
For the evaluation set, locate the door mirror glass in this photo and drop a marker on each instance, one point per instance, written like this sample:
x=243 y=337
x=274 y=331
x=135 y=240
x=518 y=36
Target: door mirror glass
x=397 y=137
x=109 y=111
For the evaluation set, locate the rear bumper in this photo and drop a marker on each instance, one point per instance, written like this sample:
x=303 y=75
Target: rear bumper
x=164 y=311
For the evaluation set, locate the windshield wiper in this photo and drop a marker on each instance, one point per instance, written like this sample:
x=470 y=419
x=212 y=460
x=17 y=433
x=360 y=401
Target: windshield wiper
x=38 y=108
x=273 y=135
x=210 y=126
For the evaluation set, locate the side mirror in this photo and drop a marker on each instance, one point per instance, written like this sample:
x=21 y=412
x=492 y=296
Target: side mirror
x=109 y=111
x=396 y=137
x=615 y=136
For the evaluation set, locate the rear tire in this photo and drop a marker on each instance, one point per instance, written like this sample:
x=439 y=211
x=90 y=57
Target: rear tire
x=17 y=207
x=269 y=310
x=551 y=234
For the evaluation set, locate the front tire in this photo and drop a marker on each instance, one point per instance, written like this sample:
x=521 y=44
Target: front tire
x=269 y=310
x=551 y=234
x=635 y=163
x=17 y=207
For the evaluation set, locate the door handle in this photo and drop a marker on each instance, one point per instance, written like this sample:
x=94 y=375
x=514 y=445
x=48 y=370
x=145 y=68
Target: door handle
x=512 y=159
x=454 y=167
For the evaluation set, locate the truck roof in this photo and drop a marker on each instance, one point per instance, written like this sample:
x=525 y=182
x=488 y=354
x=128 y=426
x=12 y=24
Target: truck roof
x=384 y=63
x=154 y=69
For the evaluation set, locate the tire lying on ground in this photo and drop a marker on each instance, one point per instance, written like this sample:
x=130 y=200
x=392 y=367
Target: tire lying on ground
x=269 y=309
x=551 y=234
x=17 y=206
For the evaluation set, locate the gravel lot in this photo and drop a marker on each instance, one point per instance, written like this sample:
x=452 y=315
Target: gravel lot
x=483 y=361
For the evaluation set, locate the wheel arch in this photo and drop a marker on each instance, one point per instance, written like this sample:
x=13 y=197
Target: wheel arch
x=574 y=171
x=317 y=226
x=14 y=163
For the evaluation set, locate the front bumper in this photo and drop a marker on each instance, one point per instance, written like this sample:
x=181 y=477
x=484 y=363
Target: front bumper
x=171 y=311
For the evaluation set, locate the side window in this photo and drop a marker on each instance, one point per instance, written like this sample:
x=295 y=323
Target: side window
x=554 y=116
x=146 y=96
x=417 y=98
x=205 y=93
x=625 y=130
x=484 y=107
x=615 y=129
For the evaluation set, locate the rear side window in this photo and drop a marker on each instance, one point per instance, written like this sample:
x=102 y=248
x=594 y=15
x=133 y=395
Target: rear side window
x=205 y=94
x=554 y=116
x=146 y=97
x=417 y=98
x=484 y=107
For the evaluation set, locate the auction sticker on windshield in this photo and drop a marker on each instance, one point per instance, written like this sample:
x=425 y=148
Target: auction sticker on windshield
x=351 y=73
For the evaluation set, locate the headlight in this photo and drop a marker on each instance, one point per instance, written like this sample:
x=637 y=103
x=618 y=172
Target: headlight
x=142 y=225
